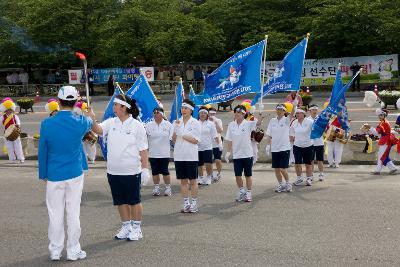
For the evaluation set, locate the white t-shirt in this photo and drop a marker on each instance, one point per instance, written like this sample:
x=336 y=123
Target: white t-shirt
x=124 y=141
x=317 y=141
x=208 y=134
x=301 y=132
x=158 y=136
x=184 y=150
x=218 y=122
x=279 y=130
x=240 y=135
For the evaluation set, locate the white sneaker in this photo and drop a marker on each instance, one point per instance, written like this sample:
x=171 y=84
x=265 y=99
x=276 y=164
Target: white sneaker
x=78 y=256
x=193 y=207
x=168 y=192
x=321 y=177
x=156 y=191
x=336 y=165
x=186 y=208
x=298 y=181
x=134 y=235
x=207 y=180
x=55 y=256
x=123 y=232
x=240 y=196
x=200 y=180
x=215 y=179
x=248 y=197
x=308 y=182
x=280 y=188
x=289 y=187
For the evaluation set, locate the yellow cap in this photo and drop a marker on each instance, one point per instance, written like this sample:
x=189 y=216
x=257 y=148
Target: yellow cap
x=8 y=104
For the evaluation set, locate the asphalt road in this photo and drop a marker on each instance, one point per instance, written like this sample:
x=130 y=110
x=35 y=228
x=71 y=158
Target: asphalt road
x=351 y=219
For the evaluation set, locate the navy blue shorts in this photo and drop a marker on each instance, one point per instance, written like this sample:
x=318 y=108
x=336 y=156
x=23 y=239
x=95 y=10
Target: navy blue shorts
x=205 y=157
x=318 y=153
x=159 y=166
x=186 y=169
x=217 y=153
x=280 y=160
x=125 y=189
x=303 y=155
x=244 y=164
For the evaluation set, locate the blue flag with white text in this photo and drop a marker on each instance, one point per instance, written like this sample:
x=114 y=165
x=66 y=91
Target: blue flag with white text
x=177 y=103
x=238 y=75
x=287 y=74
x=197 y=100
x=108 y=113
x=337 y=103
x=145 y=98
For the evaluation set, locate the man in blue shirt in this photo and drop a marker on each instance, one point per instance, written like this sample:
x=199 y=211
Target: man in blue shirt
x=61 y=165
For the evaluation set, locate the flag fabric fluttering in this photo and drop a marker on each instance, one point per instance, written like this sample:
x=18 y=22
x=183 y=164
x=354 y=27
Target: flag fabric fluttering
x=287 y=74
x=197 y=100
x=238 y=75
x=145 y=98
x=337 y=103
x=108 y=113
x=177 y=103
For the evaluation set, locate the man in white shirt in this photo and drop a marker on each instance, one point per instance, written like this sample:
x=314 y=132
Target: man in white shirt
x=318 y=146
x=303 y=146
x=278 y=142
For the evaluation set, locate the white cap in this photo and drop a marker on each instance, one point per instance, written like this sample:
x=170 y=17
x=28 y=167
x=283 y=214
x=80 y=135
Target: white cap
x=68 y=93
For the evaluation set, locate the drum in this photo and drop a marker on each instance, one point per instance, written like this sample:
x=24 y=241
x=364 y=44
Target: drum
x=257 y=135
x=90 y=138
x=12 y=132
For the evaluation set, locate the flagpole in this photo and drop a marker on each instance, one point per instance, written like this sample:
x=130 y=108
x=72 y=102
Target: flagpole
x=176 y=99
x=263 y=74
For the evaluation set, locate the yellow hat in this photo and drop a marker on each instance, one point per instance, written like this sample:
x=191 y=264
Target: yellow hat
x=247 y=105
x=53 y=106
x=288 y=106
x=8 y=104
x=208 y=106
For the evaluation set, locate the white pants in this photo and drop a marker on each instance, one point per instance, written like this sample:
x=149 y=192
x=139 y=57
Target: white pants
x=60 y=196
x=14 y=150
x=335 y=151
x=90 y=151
x=379 y=164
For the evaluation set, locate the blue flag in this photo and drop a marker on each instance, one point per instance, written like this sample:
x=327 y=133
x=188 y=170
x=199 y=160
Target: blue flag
x=337 y=103
x=108 y=113
x=238 y=75
x=177 y=103
x=145 y=98
x=287 y=74
x=197 y=100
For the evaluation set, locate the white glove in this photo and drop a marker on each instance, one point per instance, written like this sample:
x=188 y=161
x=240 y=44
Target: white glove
x=178 y=130
x=295 y=102
x=254 y=160
x=267 y=150
x=145 y=176
x=227 y=155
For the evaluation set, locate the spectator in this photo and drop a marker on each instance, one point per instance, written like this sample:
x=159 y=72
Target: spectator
x=14 y=78
x=198 y=74
x=292 y=96
x=161 y=74
x=355 y=68
x=190 y=73
x=24 y=79
x=51 y=78
x=110 y=85
x=9 y=78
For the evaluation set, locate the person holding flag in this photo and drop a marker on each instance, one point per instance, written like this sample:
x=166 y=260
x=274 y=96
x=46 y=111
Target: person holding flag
x=238 y=138
x=386 y=141
x=318 y=146
x=158 y=132
x=302 y=147
x=208 y=136
x=127 y=163
x=186 y=137
x=217 y=144
x=279 y=144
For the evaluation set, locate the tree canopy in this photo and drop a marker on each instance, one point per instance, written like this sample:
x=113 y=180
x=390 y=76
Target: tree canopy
x=159 y=32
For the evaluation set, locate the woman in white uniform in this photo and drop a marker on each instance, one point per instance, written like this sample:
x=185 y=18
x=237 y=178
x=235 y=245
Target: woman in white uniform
x=318 y=146
x=186 y=136
x=127 y=163
x=208 y=135
x=303 y=146
x=217 y=145
x=238 y=138
x=278 y=143
x=158 y=132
